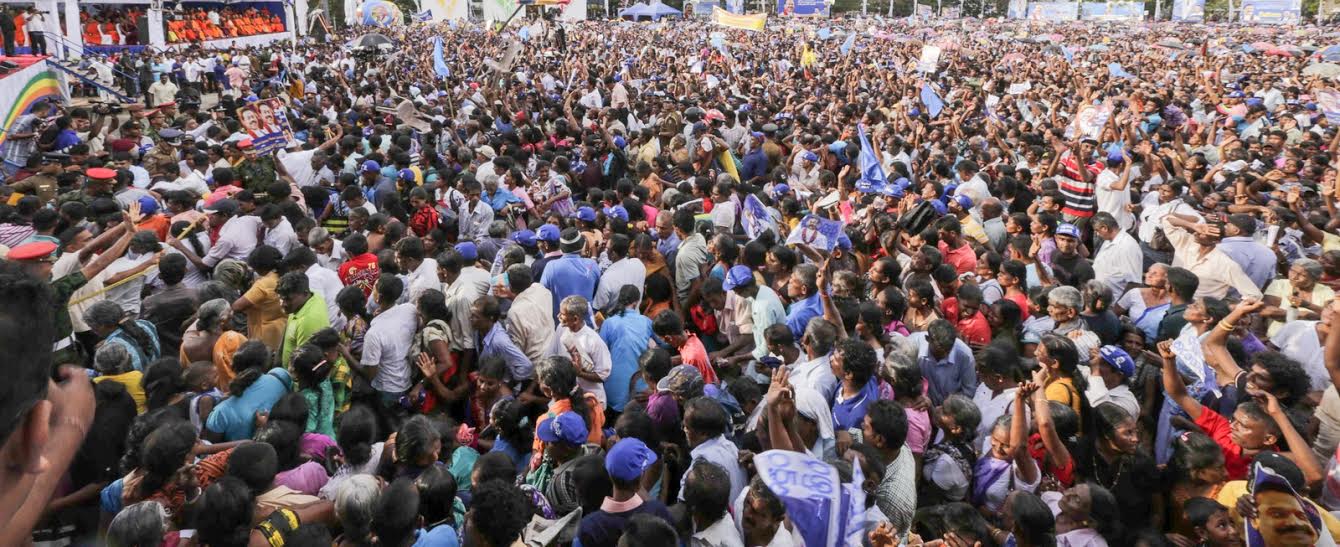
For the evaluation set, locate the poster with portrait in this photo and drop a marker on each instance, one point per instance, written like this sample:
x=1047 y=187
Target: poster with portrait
x=1283 y=518
x=266 y=124
x=1090 y=120
x=817 y=232
x=1328 y=100
x=754 y=217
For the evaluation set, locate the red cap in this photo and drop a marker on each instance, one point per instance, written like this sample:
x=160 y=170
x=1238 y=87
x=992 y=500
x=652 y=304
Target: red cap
x=35 y=250
x=122 y=145
x=100 y=173
x=244 y=143
x=521 y=117
x=167 y=104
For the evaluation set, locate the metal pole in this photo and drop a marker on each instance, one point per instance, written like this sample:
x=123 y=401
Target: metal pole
x=1158 y=9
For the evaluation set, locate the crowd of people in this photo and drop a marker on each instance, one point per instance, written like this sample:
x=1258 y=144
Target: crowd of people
x=633 y=284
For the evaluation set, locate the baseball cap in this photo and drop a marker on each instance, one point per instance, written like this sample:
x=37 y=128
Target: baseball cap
x=371 y=166
x=843 y=241
x=628 y=458
x=939 y=206
x=738 y=276
x=1114 y=156
x=244 y=143
x=406 y=174
x=781 y=189
x=225 y=206
x=571 y=239
x=548 y=232
x=148 y=205
x=468 y=250
x=1119 y=359
x=1067 y=229
x=586 y=214
x=810 y=156
x=963 y=201
x=525 y=238
x=700 y=127
x=567 y=427
x=683 y=379
x=617 y=211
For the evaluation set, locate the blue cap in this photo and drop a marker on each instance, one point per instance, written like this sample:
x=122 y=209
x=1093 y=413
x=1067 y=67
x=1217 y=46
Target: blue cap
x=699 y=127
x=963 y=201
x=843 y=242
x=1119 y=359
x=756 y=134
x=525 y=237
x=837 y=146
x=617 y=211
x=1114 y=156
x=468 y=250
x=628 y=458
x=619 y=142
x=914 y=112
x=567 y=427
x=781 y=189
x=1235 y=95
x=810 y=156
x=371 y=166
x=738 y=276
x=407 y=174
x=148 y=205
x=939 y=206
x=586 y=214
x=1067 y=229
x=548 y=232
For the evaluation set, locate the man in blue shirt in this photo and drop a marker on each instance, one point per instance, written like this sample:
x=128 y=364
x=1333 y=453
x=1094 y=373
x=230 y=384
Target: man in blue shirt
x=803 y=289
x=625 y=462
x=755 y=162
x=493 y=340
x=571 y=274
x=1257 y=260
x=946 y=362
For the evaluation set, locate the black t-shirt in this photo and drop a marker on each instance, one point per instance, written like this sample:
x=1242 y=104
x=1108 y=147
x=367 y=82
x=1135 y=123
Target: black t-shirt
x=1106 y=325
x=1074 y=270
x=1133 y=480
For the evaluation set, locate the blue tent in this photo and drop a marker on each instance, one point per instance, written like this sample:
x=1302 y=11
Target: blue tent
x=659 y=10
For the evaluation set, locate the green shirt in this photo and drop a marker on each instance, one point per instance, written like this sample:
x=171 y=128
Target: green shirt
x=65 y=350
x=257 y=174
x=302 y=325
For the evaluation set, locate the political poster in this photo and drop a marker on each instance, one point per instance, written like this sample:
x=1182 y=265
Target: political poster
x=754 y=217
x=1328 y=100
x=1271 y=12
x=930 y=58
x=753 y=21
x=924 y=11
x=1090 y=119
x=1053 y=11
x=1283 y=518
x=1113 y=11
x=824 y=510
x=802 y=8
x=266 y=124
x=1018 y=9
x=1188 y=11
x=1020 y=88
x=817 y=232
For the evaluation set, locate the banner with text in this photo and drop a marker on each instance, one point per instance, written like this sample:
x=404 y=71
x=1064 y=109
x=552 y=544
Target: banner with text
x=1271 y=12
x=803 y=8
x=1053 y=11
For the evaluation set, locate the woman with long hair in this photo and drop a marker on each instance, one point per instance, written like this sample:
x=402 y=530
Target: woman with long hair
x=253 y=390
x=265 y=315
x=442 y=382
x=558 y=381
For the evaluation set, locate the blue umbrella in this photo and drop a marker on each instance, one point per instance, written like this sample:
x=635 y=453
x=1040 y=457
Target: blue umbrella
x=1331 y=53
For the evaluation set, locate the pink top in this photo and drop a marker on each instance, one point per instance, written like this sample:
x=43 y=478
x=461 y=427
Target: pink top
x=307 y=478
x=314 y=445
x=918 y=430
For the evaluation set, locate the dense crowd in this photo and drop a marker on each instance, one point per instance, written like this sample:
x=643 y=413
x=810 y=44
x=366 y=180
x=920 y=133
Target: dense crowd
x=646 y=284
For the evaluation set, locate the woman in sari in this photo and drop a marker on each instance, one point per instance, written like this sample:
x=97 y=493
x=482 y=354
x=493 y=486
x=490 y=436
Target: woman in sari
x=210 y=339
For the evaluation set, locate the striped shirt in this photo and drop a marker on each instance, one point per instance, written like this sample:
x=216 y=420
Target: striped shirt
x=1078 y=194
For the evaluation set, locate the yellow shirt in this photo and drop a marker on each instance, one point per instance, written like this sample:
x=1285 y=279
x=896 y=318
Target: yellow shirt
x=1062 y=390
x=132 y=382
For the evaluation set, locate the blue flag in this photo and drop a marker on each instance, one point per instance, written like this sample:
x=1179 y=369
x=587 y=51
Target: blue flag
x=439 y=64
x=1069 y=55
x=1116 y=71
x=847 y=45
x=424 y=16
x=873 y=178
x=934 y=105
x=523 y=33
x=825 y=511
x=824 y=33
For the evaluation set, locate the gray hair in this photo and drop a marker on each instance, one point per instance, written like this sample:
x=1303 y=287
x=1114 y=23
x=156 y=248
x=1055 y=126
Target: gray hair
x=900 y=353
x=318 y=236
x=1312 y=267
x=104 y=314
x=140 y=524
x=211 y=313
x=1067 y=296
x=965 y=412
x=808 y=274
x=356 y=502
x=575 y=305
x=498 y=229
x=821 y=334
x=112 y=359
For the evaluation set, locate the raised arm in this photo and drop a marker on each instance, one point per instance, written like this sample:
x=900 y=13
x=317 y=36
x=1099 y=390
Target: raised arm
x=1028 y=467
x=1172 y=381
x=1042 y=413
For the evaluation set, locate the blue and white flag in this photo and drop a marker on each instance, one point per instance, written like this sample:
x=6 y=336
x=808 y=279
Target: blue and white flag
x=824 y=33
x=934 y=105
x=873 y=179
x=824 y=510
x=523 y=33
x=424 y=16
x=439 y=64
x=848 y=44
x=1116 y=71
x=754 y=217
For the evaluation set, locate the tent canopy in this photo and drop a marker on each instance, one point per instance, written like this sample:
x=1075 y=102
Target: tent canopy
x=654 y=10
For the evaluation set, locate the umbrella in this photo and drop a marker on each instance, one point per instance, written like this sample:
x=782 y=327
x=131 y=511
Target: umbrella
x=1171 y=43
x=372 y=40
x=1324 y=70
x=1331 y=53
x=1262 y=46
x=1284 y=51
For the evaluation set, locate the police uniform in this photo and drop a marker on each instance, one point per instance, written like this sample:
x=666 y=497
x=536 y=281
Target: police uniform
x=108 y=178
x=64 y=348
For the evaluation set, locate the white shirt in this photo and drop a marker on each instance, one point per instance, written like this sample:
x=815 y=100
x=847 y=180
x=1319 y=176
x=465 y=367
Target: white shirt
x=336 y=257
x=593 y=351
x=299 y=165
x=1298 y=340
x=282 y=237
x=1119 y=262
x=815 y=374
x=237 y=238
x=127 y=295
x=629 y=271
x=326 y=284
x=386 y=345
x=36 y=23
x=992 y=408
x=724 y=453
x=1113 y=202
x=469 y=286
x=474 y=221
x=422 y=279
